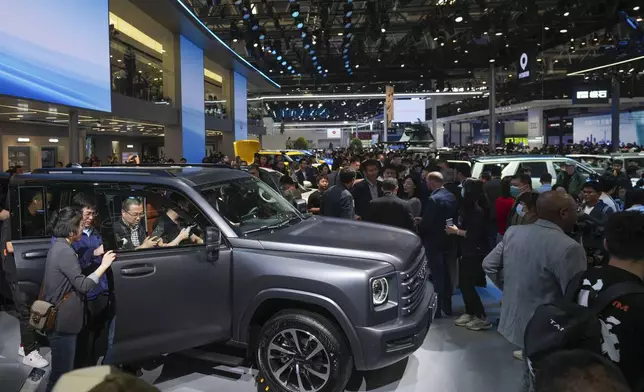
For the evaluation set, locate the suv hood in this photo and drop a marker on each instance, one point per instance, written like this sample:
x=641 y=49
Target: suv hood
x=344 y=238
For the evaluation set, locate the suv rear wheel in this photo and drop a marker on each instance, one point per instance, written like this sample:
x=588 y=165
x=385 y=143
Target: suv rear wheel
x=300 y=351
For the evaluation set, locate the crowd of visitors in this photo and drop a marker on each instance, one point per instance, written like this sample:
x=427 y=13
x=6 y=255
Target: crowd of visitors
x=532 y=243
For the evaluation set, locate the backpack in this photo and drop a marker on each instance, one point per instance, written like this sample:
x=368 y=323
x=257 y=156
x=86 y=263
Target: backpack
x=566 y=325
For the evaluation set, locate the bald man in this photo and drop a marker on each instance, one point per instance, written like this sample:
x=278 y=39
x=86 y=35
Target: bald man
x=537 y=261
x=439 y=246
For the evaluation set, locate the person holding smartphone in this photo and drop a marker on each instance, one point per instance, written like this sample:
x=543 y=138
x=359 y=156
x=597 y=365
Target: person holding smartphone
x=170 y=229
x=129 y=232
x=474 y=245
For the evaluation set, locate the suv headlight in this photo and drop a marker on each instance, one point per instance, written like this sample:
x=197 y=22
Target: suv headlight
x=380 y=291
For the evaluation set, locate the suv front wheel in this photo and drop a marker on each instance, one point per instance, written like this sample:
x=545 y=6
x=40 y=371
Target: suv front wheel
x=300 y=351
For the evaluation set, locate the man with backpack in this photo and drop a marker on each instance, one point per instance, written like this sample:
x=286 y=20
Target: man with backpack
x=603 y=310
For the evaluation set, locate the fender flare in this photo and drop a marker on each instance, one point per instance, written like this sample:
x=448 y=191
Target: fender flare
x=295 y=295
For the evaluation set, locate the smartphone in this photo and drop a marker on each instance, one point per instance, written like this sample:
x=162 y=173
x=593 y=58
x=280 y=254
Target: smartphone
x=449 y=222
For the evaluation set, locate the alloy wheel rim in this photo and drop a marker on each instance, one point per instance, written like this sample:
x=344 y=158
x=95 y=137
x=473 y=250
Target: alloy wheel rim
x=298 y=361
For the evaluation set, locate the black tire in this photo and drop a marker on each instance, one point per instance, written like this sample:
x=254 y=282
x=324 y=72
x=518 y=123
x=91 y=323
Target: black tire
x=327 y=333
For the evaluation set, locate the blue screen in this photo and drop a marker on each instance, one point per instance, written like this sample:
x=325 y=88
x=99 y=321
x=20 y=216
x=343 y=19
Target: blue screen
x=56 y=51
x=193 y=120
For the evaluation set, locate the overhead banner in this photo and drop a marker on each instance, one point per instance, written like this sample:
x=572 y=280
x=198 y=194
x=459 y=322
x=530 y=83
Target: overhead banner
x=583 y=95
x=389 y=104
x=525 y=66
x=333 y=133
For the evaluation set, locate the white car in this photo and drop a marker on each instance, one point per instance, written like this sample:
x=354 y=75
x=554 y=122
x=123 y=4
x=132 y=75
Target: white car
x=538 y=164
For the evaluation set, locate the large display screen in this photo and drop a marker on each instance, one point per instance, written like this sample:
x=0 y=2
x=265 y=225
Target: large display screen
x=56 y=51
x=193 y=120
x=409 y=110
x=597 y=129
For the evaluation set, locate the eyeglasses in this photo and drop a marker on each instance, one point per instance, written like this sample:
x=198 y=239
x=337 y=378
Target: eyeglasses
x=135 y=216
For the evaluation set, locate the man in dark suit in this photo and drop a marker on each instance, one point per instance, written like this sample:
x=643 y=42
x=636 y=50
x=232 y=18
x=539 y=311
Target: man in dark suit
x=440 y=207
x=368 y=189
x=337 y=200
x=390 y=209
x=306 y=172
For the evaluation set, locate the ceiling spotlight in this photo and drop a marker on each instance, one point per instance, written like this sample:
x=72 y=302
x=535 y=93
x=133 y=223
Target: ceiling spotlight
x=314 y=58
x=234 y=39
x=357 y=65
x=455 y=61
x=283 y=62
x=255 y=45
x=402 y=65
x=566 y=13
x=563 y=31
x=326 y=70
x=303 y=35
x=498 y=34
x=319 y=67
x=261 y=36
x=458 y=19
x=246 y=16
x=300 y=25
x=279 y=58
x=379 y=60
x=295 y=10
x=492 y=60
x=546 y=28
x=340 y=34
x=383 y=30
x=348 y=10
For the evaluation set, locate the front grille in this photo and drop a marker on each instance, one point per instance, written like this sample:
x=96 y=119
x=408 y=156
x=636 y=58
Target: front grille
x=413 y=284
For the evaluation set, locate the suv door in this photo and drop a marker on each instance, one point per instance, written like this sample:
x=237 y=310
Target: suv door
x=29 y=238
x=167 y=299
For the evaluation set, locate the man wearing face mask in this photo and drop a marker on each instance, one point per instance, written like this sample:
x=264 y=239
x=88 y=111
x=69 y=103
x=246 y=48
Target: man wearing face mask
x=521 y=183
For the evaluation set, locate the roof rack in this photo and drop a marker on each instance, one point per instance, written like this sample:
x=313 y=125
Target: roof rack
x=170 y=165
x=132 y=171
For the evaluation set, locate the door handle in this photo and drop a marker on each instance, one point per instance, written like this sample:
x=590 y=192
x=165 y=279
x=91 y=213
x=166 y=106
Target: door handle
x=138 y=270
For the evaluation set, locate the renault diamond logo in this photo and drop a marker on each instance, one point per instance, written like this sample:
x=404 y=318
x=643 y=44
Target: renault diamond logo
x=523 y=61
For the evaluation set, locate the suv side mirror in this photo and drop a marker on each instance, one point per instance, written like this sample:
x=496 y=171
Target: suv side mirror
x=300 y=204
x=213 y=242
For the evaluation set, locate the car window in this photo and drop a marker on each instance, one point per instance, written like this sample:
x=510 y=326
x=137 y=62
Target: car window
x=488 y=167
x=536 y=168
x=36 y=204
x=250 y=206
x=152 y=218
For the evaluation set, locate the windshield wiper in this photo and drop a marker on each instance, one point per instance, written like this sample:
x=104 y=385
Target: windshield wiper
x=273 y=227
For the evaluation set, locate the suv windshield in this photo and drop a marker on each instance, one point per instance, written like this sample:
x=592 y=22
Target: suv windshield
x=250 y=206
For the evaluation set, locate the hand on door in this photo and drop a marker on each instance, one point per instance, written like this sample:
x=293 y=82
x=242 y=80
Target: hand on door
x=108 y=259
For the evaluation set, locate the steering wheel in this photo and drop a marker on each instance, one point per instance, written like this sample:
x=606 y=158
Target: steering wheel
x=266 y=198
x=250 y=214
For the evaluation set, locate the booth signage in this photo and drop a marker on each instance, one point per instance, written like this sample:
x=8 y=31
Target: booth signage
x=525 y=66
x=586 y=95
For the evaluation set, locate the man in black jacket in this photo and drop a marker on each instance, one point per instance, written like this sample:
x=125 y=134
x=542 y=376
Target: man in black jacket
x=369 y=189
x=337 y=200
x=306 y=172
x=390 y=209
x=440 y=207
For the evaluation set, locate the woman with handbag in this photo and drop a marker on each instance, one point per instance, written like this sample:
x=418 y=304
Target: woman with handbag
x=64 y=286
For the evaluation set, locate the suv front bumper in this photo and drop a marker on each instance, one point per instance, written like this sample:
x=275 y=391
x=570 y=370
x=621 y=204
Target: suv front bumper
x=388 y=343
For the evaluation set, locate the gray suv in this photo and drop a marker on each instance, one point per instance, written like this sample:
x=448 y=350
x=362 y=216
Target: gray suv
x=311 y=298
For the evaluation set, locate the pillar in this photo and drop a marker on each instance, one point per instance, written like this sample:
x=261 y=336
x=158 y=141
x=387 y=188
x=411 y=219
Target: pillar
x=188 y=140
x=492 y=84
x=615 y=100
x=437 y=136
x=74 y=144
x=536 y=128
x=240 y=106
x=82 y=144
